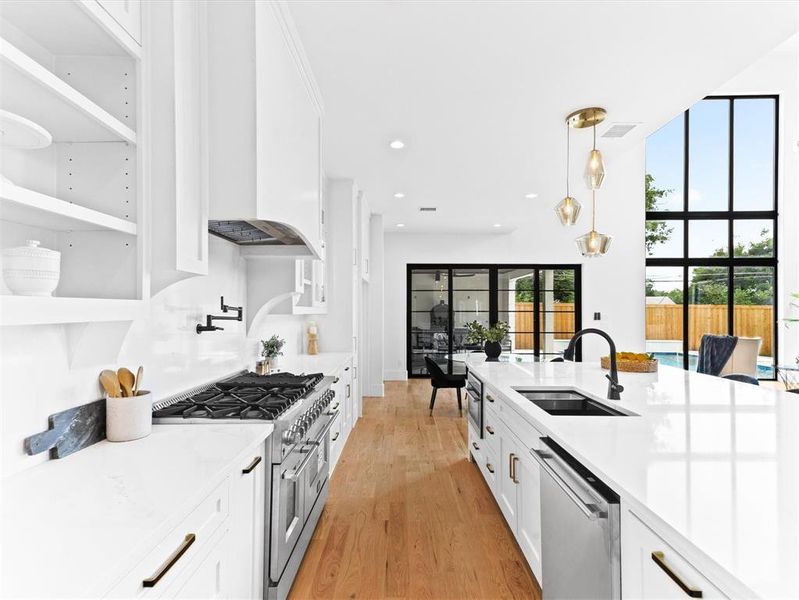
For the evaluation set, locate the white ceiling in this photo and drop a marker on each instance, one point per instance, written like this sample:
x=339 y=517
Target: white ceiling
x=479 y=90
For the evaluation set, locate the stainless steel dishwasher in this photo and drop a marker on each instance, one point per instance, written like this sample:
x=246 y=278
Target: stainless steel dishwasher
x=580 y=551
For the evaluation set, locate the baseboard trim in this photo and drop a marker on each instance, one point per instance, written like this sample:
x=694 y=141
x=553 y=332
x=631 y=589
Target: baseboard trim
x=396 y=375
x=376 y=390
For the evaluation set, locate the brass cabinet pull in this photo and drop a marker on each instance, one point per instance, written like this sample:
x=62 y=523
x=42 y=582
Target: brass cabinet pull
x=660 y=561
x=334 y=407
x=336 y=380
x=349 y=390
x=252 y=465
x=490 y=467
x=476 y=447
x=489 y=397
x=512 y=458
x=490 y=429
x=170 y=562
x=335 y=437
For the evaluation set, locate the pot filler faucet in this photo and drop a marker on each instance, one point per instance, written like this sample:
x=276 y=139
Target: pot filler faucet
x=614 y=387
x=209 y=319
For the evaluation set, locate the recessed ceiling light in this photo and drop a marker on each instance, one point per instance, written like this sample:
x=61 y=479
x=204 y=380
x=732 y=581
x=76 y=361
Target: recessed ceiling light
x=399 y=195
x=400 y=224
x=531 y=195
x=397 y=144
x=497 y=225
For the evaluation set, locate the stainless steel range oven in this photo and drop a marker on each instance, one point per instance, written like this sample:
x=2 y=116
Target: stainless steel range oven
x=474 y=402
x=300 y=408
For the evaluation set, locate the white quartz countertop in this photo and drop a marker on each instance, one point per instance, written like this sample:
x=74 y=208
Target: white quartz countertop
x=70 y=527
x=329 y=363
x=713 y=463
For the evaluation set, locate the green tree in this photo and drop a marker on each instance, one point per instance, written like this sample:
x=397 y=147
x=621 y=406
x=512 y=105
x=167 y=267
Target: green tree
x=562 y=284
x=657 y=232
x=751 y=285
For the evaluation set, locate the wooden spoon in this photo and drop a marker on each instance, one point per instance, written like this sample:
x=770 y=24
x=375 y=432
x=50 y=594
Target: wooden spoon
x=110 y=383
x=126 y=381
x=137 y=384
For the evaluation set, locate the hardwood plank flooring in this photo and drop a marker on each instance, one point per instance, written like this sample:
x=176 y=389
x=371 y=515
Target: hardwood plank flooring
x=408 y=516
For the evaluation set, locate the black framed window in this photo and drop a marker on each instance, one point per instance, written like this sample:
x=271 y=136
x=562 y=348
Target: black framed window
x=540 y=303
x=711 y=228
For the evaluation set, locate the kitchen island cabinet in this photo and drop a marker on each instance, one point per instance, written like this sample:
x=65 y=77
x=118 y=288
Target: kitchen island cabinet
x=705 y=469
x=105 y=521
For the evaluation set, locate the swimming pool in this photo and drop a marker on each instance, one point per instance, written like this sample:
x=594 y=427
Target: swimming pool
x=674 y=359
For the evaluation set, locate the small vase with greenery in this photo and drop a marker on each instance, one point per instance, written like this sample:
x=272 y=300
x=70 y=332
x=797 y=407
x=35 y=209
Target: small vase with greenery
x=491 y=337
x=271 y=349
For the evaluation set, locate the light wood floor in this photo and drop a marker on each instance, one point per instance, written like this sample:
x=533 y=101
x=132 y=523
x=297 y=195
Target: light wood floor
x=408 y=515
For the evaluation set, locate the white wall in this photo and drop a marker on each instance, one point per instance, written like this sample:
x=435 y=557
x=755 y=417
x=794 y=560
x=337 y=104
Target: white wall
x=778 y=73
x=612 y=285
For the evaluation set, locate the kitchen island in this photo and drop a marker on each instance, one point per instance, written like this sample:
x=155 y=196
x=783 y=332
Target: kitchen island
x=710 y=466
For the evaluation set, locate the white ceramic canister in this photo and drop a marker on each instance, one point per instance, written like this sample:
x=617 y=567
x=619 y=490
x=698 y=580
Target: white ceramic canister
x=129 y=418
x=30 y=270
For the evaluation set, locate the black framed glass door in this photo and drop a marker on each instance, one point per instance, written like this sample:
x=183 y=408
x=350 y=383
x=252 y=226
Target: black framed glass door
x=540 y=303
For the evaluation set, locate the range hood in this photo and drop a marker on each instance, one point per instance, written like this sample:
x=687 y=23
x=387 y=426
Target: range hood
x=255 y=233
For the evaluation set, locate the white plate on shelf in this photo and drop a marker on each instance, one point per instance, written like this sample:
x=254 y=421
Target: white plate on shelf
x=22 y=133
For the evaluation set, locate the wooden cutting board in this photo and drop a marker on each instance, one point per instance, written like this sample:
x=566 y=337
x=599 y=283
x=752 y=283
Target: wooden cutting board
x=70 y=430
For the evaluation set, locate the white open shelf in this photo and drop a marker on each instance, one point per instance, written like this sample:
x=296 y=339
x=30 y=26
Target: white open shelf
x=34 y=92
x=41 y=310
x=70 y=27
x=21 y=205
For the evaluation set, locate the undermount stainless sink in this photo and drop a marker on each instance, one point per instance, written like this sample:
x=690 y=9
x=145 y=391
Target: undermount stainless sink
x=569 y=403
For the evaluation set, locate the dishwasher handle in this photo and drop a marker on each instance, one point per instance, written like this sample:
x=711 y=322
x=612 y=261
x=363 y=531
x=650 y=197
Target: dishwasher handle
x=592 y=511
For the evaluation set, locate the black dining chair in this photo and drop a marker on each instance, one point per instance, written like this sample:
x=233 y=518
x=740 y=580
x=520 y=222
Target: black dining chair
x=439 y=379
x=742 y=377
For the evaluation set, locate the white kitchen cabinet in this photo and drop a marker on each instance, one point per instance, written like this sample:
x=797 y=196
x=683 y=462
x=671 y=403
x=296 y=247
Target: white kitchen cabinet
x=528 y=513
x=653 y=570
x=265 y=121
x=248 y=526
x=344 y=403
x=127 y=13
x=176 y=33
x=365 y=235
x=517 y=490
x=507 y=485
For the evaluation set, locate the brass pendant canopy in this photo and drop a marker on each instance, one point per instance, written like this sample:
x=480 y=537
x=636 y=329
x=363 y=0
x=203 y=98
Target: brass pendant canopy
x=593 y=244
x=586 y=117
x=568 y=210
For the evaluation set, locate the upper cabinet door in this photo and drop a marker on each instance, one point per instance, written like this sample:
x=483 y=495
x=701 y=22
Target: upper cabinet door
x=127 y=13
x=288 y=121
x=365 y=218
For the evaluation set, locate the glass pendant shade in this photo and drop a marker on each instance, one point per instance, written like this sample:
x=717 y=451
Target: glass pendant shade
x=568 y=210
x=594 y=170
x=593 y=244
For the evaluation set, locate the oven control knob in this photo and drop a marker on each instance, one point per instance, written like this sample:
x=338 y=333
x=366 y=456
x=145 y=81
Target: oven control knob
x=291 y=435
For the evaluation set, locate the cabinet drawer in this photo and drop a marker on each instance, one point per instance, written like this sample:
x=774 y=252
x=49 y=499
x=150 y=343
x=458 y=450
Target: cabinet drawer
x=489 y=468
x=528 y=435
x=652 y=569
x=491 y=429
x=475 y=447
x=201 y=523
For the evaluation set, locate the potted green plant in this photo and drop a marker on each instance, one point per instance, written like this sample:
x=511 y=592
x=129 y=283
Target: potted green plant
x=270 y=350
x=491 y=337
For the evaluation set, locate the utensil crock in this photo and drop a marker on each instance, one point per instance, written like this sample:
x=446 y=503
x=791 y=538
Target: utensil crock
x=129 y=418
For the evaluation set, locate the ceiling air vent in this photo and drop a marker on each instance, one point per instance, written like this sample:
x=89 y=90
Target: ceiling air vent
x=427 y=209
x=618 y=130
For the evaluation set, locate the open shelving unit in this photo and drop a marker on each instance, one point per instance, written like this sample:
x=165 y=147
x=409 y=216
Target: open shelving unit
x=69 y=67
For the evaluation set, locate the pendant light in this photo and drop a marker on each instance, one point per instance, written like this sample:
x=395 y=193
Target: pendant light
x=593 y=243
x=595 y=167
x=568 y=209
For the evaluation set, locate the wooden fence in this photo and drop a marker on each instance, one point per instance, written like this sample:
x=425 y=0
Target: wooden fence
x=663 y=322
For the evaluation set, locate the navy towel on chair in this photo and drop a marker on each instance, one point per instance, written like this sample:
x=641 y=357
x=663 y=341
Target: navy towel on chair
x=743 y=378
x=714 y=352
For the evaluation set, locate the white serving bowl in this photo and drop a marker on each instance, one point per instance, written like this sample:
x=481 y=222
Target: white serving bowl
x=30 y=270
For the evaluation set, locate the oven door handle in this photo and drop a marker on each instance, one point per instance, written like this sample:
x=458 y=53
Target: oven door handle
x=295 y=474
x=321 y=437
